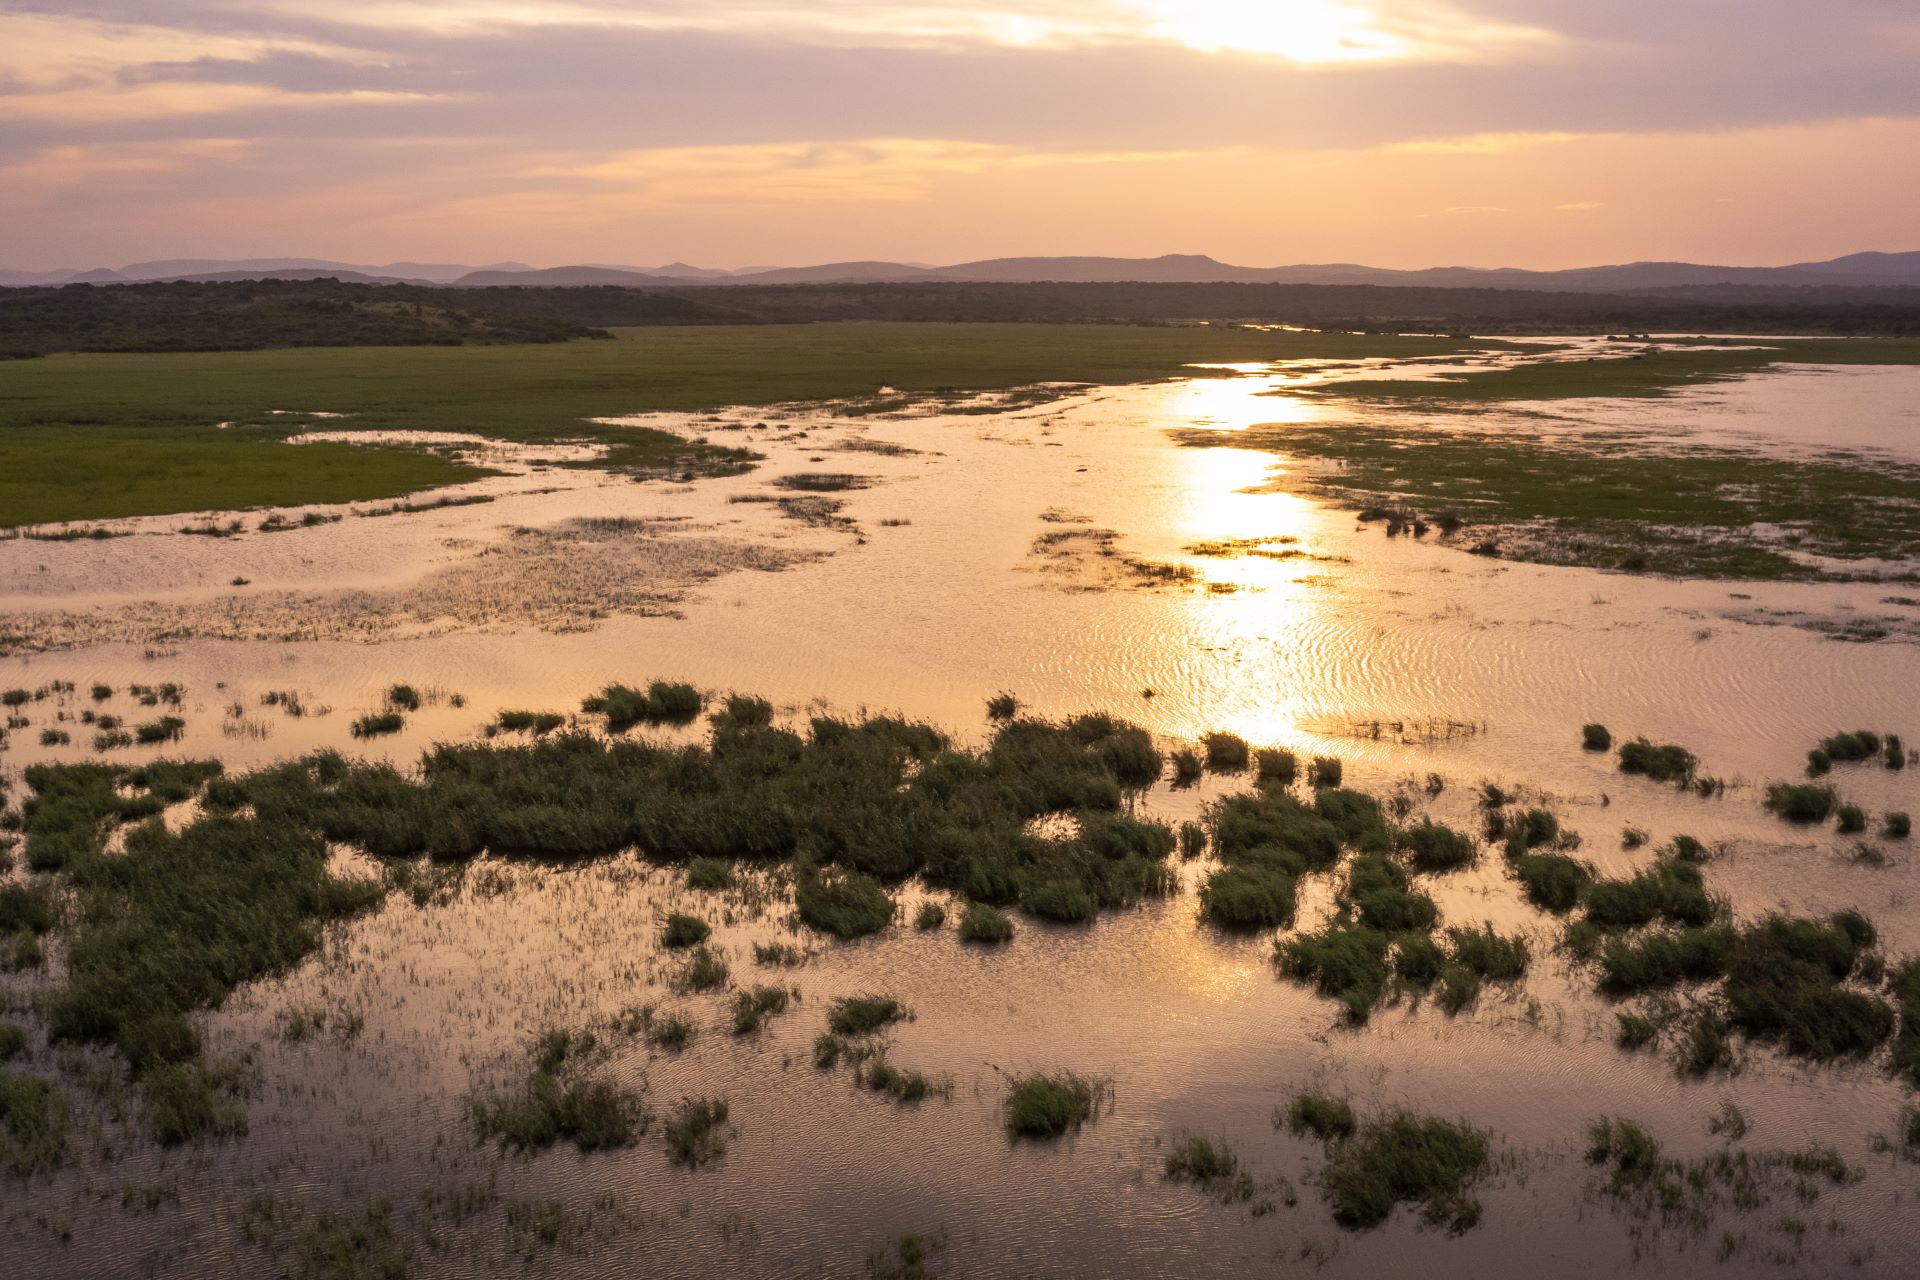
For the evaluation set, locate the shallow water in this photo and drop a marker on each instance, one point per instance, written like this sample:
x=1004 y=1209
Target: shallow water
x=1405 y=658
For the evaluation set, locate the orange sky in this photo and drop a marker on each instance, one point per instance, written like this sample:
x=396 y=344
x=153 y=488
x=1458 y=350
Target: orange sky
x=1538 y=133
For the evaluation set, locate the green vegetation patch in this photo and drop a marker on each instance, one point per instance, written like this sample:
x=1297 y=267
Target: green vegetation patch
x=1049 y=1104
x=1394 y=1158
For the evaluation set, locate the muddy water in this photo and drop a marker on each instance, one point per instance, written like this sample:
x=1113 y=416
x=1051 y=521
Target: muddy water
x=1407 y=659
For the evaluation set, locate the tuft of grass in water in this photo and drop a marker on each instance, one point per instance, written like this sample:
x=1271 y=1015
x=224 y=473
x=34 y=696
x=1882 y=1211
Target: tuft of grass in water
x=165 y=729
x=1671 y=890
x=1050 y=1104
x=778 y=954
x=1062 y=900
x=1186 y=768
x=1347 y=962
x=187 y=1098
x=864 y=1015
x=661 y=703
x=1211 y=1165
x=903 y=1086
x=1851 y=819
x=668 y=1031
x=1275 y=767
x=1896 y=825
x=560 y=1099
x=1226 y=753
x=709 y=875
x=1552 y=881
x=846 y=905
x=742 y=712
x=1662 y=763
x=378 y=724
x=404 y=696
x=1193 y=840
x=33 y=1124
x=1801 y=801
x=985 y=924
x=1651 y=1187
x=1635 y=1031
x=1325 y=771
x=13 y=1041
x=1249 y=897
x=1400 y=1157
x=696 y=1133
x=684 y=931
x=1323 y=1116
x=1002 y=707
x=705 y=971
x=537 y=723
x=1431 y=847
x=752 y=1008
x=1596 y=737
x=929 y=917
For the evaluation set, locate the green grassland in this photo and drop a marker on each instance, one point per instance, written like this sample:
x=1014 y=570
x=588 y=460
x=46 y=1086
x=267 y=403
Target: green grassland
x=1707 y=513
x=1650 y=373
x=100 y=436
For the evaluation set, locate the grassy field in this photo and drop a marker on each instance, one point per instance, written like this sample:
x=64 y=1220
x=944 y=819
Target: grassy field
x=98 y=436
x=1651 y=374
x=1695 y=513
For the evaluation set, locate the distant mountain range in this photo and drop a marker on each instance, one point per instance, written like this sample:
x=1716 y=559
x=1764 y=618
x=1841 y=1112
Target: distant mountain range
x=1855 y=270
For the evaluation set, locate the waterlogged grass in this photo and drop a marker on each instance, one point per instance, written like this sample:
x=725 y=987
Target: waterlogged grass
x=1395 y=1158
x=662 y=702
x=102 y=436
x=1050 y=1104
x=696 y=1132
x=986 y=925
x=560 y=1099
x=1609 y=504
x=33 y=1123
x=864 y=1015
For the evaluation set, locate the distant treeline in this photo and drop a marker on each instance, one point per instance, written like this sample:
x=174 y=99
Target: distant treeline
x=244 y=315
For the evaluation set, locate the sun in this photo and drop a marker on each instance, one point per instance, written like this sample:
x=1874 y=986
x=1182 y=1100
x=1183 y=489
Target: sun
x=1298 y=30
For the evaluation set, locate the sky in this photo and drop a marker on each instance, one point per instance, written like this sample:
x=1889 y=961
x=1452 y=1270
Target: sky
x=1400 y=133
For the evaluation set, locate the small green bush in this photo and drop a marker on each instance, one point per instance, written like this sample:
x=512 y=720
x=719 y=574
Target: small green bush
x=1595 y=737
x=684 y=931
x=985 y=924
x=1048 y=1104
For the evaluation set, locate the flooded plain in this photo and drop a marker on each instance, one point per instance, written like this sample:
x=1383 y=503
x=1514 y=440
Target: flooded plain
x=1107 y=549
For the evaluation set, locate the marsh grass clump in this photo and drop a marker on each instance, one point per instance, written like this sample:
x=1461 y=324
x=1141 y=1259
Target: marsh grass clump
x=662 y=702
x=1552 y=881
x=752 y=1008
x=560 y=1099
x=1896 y=825
x=783 y=955
x=985 y=924
x=537 y=723
x=1656 y=960
x=1226 y=753
x=1652 y=1187
x=742 y=712
x=1671 y=890
x=1322 y=1116
x=696 y=1132
x=864 y=1015
x=1275 y=767
x=909 y=1259
x=188 y=1098
x=668 y=1031
x=1595 y=737
x=1634 y=1031
x=1662 y=763
x=684 y=931
x=704 y=971
x=1193 y=840
x=1431 y=847
x=1347 y=962
x=929 y=917
x=1819 y=763
x=1801 y=801
x=709 y=875
x=165 y=729
x=1492 y=956
x=1186 y=768
x=1249 y=897
x=1895 y=755
x=1418 y=961
x=1049 y=1104
x=1058 y=899
x=902 y=1085
x=1325 y=771
x=1209 y=1164
x=1850 y=748
x=378 y=724
x=1851 y=819
x=404 y=696
x=1401 y=1157
x=846 y=905
x=1002 y=707
x=13 y=1041
x=33 y=1123
x=1903 y=984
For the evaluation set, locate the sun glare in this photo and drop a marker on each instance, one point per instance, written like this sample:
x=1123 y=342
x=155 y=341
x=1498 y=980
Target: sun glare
x=1299 y=30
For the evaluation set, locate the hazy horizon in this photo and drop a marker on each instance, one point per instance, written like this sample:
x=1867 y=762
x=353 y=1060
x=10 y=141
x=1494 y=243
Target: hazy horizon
x=1395 y=133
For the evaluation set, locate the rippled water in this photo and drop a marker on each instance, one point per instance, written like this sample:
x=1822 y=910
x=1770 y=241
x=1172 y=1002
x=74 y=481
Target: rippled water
x=1405 y=658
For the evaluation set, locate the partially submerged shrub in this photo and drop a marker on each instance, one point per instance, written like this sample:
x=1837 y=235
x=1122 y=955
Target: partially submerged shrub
x=710 y=875
x=930 y=917
x=1401 y=1157
x=696 y=1132
x=864 y=1015
x=1186 y=768
x=1002 y=707
x=662 y=702
x=1552 y=881
x=1325 y=771
x=378 y=724
x=1852 y=819
x=752 y=1008
x=1249 y=897
x=1274 y=766
x=1321 y=1115
x=1801 y=801
x=846 y=905
x=1431 y=847
x=33 y=1124
x=1896 y=825
x=1594 y=737
x=1663 y=763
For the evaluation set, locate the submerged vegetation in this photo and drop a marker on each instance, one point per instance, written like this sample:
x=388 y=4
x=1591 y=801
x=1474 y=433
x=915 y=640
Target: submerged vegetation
x=1396 y=1157
x=1049 y=1104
